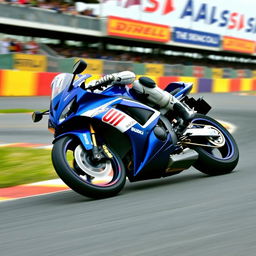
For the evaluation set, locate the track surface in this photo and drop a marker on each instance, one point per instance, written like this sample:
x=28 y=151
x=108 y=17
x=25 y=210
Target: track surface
x=188 y=214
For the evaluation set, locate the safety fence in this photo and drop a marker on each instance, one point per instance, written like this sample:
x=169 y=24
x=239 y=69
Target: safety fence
x=42 y=63
x=31 y=83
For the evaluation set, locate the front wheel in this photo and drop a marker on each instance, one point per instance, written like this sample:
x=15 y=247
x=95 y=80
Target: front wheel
x=219 y=155
x=74 y=166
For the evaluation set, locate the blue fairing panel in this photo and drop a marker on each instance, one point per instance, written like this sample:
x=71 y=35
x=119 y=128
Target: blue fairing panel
x=179 y=88
x=84 y=136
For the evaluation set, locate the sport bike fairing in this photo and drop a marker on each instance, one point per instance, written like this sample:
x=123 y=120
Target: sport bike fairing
x=179 y=89
x=105 y=132
x=144 y=143
x=104 y=106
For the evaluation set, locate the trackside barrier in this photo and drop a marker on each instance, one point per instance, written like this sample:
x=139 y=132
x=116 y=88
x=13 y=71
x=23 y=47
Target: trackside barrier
x=30 y=83
x=42 y=63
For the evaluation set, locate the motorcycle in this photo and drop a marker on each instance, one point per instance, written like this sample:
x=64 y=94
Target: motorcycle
x=106 y=134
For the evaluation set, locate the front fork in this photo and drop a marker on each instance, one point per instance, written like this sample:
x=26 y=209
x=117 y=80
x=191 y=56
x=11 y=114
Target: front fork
x=89 y=142
x=99 y=153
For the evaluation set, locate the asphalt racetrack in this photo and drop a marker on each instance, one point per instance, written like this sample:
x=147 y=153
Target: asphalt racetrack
x=184 y=215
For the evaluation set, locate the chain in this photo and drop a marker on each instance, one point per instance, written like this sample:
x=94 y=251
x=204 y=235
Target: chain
x=188 y=142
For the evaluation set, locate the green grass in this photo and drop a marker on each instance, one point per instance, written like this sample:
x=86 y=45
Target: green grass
x=251 y=92
x=24 y=165
x=18 y=110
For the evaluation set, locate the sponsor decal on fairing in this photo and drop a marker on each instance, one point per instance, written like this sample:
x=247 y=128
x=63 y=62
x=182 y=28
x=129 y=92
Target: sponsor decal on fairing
x=118 y=119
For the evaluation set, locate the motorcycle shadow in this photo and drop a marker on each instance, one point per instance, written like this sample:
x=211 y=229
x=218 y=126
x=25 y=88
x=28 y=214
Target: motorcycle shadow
x=174 y=182
x=188 y=177
x=162 y=182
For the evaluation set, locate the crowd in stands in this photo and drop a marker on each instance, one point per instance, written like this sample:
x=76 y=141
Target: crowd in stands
x=9 y=45
x=67 y=7
x=13 y=45
x=94 y=53
x=116 y=55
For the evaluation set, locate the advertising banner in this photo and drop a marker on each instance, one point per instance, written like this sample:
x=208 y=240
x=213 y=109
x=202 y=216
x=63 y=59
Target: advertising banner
x=136 y=29
x=174 y=70
x=198 y=71
x=154 y=69
x=30 y=62
x=225 y=18
x=94 y=66
x=116 y=66
x=238 y=45
x=217 y=72
x=188 y=36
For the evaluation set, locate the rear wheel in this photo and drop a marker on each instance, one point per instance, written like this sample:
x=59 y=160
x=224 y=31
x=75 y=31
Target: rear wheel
x=219 y=155
x=74 y=166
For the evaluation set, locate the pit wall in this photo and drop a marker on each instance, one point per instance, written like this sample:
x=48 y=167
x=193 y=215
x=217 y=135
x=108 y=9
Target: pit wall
x=29 y=83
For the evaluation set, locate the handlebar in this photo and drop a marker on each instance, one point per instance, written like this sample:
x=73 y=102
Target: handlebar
x=121 y=78
x=100 y=84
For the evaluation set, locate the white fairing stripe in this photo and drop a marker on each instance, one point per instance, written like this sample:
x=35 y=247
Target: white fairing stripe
x=98 y=110
x=117 y=118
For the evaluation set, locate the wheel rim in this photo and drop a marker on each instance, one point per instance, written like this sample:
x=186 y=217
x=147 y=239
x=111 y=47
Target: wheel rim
x=226 y=150
x=100 y=171
x=104 y=174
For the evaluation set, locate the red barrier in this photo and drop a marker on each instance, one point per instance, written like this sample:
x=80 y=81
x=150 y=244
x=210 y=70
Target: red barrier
x=235 y=85
x=163 y=81
x=39 y=84
x=254 y=84
x=43 y=85
x=1 y=82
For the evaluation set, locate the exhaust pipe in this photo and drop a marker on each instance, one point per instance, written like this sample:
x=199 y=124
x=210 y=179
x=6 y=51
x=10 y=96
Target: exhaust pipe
x=182 y=161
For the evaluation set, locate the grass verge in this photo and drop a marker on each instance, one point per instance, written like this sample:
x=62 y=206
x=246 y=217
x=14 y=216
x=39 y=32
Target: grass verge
x=16 y=110
x=24 y=165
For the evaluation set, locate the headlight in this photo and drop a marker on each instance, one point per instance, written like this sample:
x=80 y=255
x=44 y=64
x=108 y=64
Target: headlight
x=67 y=110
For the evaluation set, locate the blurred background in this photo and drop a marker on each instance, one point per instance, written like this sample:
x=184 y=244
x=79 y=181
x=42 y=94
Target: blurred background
x=208 y=43
x=167 y=38
x=211 y=45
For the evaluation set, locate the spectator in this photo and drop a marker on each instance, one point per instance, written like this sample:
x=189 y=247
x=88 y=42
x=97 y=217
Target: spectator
x=58 y=6
x=32 y=47
x=5 y=46
x=18 y=45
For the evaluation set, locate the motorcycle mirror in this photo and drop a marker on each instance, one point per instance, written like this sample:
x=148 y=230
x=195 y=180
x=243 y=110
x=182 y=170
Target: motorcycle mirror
x=79 y=67
x=37 y=116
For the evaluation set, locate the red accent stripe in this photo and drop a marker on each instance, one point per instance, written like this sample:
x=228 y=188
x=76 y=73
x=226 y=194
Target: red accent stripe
x=24 y=145
x=108 y=115
x=25 y=191
x=116 y=118
x=119 y=121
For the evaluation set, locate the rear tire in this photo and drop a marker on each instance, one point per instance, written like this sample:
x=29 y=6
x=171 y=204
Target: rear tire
x=80 y=181
x=228 y=154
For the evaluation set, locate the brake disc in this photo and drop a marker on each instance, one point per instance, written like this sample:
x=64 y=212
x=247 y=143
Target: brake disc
x=99 y=171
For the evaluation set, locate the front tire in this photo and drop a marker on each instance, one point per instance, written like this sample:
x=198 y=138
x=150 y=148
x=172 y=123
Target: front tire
x=216 y=161
x=73 y=165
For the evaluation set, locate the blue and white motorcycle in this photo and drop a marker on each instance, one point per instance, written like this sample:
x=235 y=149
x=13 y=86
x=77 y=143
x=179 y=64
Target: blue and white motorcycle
x=104 y=134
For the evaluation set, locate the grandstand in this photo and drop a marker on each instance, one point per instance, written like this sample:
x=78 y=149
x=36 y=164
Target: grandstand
x=65 y=29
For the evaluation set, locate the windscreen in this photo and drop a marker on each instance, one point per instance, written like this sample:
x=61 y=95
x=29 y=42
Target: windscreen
x=60 y=82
